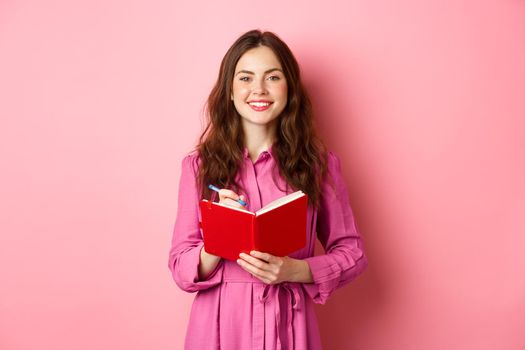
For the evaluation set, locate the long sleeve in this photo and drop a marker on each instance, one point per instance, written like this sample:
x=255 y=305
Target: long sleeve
x=344 y=257
x=186 y=243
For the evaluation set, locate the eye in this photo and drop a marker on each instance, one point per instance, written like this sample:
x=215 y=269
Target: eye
x=244 y=78
x=274 y=77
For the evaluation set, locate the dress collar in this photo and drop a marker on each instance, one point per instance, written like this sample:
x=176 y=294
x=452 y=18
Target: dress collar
x=269 y=151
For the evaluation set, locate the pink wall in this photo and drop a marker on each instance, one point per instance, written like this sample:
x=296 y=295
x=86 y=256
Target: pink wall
x=423 y=101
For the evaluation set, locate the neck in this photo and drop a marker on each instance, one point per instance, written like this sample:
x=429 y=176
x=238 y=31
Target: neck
x=258 y=138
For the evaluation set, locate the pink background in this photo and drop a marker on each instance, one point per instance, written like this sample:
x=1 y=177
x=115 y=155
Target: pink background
x=424 y=101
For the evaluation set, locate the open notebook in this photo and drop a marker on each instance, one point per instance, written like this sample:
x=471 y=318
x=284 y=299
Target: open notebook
x=278 y=228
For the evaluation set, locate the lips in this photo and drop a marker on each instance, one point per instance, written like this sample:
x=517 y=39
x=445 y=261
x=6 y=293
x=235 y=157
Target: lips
x=260 y=105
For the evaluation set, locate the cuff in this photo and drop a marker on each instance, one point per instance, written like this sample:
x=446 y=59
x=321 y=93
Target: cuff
x=325 y=276
x=188 y=270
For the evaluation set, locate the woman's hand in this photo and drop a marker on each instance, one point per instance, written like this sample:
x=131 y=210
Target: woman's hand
x=229 y=197
x=273 y=269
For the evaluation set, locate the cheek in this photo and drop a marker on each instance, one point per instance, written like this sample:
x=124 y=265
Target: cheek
x=282 y=90
x=239 y=91
x=283 y=93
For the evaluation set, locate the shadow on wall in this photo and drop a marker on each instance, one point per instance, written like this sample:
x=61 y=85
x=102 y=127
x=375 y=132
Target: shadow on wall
x=350 y=310
x=346 y=317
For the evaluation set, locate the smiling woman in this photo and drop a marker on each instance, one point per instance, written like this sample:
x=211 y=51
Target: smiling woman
x=259 y=86
x=258 y=146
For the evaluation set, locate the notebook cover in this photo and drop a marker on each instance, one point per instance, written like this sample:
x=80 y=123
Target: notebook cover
x=226 y=232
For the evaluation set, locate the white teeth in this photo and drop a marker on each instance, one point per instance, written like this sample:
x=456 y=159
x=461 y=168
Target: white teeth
x=259 y=104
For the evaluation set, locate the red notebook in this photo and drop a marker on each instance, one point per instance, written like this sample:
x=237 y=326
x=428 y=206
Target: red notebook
x=278 y=228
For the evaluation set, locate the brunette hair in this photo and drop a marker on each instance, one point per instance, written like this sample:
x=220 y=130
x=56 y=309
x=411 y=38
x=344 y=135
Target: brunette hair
x=300 y=155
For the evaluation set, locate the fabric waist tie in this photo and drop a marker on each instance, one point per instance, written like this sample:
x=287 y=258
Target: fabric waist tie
x=292 y=303
x=289 y=290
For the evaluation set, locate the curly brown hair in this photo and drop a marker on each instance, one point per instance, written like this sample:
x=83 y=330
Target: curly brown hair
x=300 y=155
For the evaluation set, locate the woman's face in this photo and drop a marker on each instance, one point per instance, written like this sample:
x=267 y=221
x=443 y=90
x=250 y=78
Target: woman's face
x=259 y=90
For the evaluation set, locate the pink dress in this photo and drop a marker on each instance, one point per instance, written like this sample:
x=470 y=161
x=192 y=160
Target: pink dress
x=234 y=310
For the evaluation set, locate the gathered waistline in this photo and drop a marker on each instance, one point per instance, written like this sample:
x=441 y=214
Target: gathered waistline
x=241 y=280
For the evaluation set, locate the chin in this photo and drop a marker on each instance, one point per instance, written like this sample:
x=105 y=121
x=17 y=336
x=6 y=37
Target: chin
x=260 y=121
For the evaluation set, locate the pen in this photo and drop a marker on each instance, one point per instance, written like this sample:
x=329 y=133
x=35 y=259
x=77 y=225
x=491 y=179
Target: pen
x=211 y=187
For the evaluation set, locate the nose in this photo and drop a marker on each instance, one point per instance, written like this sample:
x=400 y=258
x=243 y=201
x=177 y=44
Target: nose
x=258 y=87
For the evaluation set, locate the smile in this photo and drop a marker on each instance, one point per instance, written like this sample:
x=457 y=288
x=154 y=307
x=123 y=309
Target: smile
x=260 y=106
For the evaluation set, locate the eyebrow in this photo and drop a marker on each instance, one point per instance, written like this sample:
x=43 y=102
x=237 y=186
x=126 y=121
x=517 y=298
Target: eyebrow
x=266 y=72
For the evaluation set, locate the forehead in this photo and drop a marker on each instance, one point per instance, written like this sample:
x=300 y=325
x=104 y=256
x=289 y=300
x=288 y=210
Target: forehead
x=259 y=58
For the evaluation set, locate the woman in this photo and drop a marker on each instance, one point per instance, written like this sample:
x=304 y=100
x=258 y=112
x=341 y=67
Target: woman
x=260 y=145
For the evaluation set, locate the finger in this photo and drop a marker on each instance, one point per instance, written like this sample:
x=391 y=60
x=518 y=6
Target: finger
x=232 y=203
x=271 y=259
x=225 y=193
x=263 y=265
x=260 y=274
